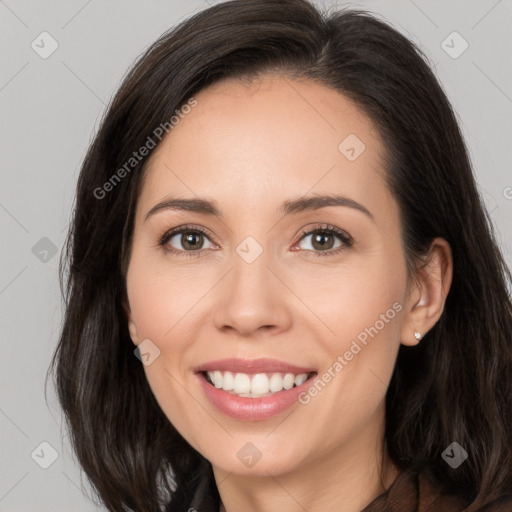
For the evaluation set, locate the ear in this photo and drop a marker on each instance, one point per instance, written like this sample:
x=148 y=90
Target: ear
x=131 y=324
x=427 y=294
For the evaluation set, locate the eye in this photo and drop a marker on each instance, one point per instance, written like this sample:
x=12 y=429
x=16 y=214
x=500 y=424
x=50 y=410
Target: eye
x=188 y=241
x=185 y=240
x=323 y=240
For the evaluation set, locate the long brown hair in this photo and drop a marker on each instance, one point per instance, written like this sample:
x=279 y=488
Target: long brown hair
x=455 y=386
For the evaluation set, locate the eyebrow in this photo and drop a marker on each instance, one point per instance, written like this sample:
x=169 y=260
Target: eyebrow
x=295 y=206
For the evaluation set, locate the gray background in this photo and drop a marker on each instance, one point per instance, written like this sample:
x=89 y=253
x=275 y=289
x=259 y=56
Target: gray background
x=51 y=107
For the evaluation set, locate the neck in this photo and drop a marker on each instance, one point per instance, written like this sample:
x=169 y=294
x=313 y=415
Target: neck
x=355 y=473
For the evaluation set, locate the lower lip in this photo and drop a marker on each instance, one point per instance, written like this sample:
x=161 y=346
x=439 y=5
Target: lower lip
x=252 y=409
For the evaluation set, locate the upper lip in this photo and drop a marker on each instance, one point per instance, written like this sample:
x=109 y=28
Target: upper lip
x=262 y=365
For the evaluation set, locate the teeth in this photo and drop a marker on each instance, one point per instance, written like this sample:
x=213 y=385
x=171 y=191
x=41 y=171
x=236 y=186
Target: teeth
x=256 y=385
x=228 y=381
x=217 y=379
x=300 y=379
x=259 y=383
x=242 y=383
x=276 y=383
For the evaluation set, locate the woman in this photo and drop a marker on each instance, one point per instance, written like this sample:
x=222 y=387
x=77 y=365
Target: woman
x=278 y=219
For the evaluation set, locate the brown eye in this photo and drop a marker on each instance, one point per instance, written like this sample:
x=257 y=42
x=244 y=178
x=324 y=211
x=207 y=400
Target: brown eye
x=323 y=240
x=185 y=241
x=191 y=240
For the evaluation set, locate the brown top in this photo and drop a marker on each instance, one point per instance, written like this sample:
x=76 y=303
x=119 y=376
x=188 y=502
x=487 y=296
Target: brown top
x=413 y=492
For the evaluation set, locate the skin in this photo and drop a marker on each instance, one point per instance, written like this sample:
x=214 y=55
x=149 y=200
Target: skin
x=250 y=147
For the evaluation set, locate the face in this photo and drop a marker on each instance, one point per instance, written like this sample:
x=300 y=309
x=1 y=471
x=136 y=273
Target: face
x=322 y=289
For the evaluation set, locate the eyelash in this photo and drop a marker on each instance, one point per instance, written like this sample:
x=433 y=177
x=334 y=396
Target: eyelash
x=324 y=228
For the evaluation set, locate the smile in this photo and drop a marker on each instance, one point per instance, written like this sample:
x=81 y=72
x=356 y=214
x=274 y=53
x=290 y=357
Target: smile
x=248 y=400
x=255 y=385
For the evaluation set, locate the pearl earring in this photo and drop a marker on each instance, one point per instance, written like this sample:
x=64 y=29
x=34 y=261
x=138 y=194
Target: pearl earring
x=417 y=335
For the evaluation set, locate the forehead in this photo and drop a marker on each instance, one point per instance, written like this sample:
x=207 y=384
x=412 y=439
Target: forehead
x=251 y=144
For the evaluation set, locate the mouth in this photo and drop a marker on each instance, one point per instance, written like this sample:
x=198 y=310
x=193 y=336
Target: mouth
x=253 y=389
x=255 y=385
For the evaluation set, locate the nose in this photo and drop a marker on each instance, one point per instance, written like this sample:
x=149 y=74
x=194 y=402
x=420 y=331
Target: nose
x=251 y=298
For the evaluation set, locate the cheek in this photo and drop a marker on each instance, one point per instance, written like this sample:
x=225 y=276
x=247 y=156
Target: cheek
x=161 y=305
x=362 y=307
x=352 y=297
x=160 y=297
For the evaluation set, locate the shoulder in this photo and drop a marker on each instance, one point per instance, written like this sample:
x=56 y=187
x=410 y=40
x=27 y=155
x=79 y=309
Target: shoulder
x=436 y=499
x=414 y=491
x=418 y=491
x=500 y=504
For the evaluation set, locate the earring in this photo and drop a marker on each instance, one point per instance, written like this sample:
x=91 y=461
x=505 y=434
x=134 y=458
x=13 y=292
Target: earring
x=417 y=335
